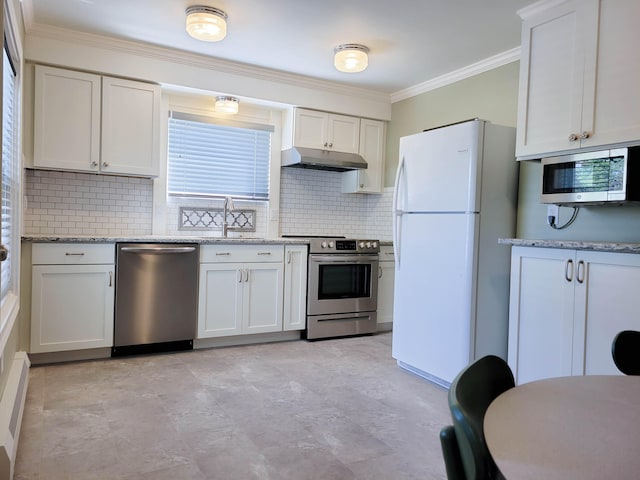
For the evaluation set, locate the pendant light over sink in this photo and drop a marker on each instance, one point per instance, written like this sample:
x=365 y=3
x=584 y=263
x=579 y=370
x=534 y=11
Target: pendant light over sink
x=205 y=23
x=351 y=57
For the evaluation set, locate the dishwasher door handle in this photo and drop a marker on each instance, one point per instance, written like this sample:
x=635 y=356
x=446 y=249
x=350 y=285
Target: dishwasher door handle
x=158 y=249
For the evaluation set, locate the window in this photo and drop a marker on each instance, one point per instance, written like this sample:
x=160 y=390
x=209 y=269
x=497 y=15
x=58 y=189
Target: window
x=209 y=157
x=10 y=177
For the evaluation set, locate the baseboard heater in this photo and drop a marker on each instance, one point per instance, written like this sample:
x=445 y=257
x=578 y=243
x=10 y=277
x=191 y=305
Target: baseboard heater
x=11 y=410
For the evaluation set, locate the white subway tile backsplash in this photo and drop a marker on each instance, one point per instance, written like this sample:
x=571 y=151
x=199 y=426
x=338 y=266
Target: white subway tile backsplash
x=87 y=204
x=311 y=202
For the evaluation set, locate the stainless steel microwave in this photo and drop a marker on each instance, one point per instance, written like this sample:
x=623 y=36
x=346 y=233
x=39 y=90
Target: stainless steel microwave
x=592 y=178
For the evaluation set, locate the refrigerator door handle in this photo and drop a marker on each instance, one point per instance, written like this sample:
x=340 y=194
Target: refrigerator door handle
x=397 y=215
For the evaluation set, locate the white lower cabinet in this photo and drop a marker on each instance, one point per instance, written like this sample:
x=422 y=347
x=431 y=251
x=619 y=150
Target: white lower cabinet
x=295 y=287
x=240 y=297
x=72 y=296
x=565 y=309
x=386 y=278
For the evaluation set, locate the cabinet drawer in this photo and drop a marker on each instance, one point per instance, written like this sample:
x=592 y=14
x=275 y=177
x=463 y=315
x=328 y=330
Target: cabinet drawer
x=241 y=253
x=72 y=253
x=386 y=253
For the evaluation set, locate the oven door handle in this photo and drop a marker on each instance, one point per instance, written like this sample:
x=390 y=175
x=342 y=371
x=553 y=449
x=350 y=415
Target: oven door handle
x=343 y=258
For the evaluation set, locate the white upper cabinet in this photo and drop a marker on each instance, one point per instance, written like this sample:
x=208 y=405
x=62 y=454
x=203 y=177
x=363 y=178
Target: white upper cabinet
x=130 y=127
x=88 y=123
x=372 y=149
x=578 y=80
x=327 y=131
x=67 y=119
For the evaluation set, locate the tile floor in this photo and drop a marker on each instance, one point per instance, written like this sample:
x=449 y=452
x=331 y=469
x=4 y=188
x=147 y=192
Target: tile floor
x=334 y=409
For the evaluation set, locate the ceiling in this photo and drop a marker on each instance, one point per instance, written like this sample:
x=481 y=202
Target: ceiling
x=411 y=41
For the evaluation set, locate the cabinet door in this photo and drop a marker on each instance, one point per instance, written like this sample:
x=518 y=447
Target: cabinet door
x=71 y=307
x=66 y=119
x=344 y=133
x=295 y=288
x=386 y=276
x=130 y=127
x=607 y=302
x=262 y=303
x=552 y=71
x=220 y=300
x=310 y=129
x=372 y=149
x=612 y=111
x=541 y=313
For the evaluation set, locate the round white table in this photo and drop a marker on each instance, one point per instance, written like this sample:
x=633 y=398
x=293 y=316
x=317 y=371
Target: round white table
x=567 y=428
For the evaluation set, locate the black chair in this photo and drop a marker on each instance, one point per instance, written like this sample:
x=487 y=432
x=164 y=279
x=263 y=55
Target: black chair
x=625 y=350
x=470 y=394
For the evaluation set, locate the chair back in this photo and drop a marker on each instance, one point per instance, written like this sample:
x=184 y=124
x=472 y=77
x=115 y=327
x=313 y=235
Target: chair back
x=470 y=394
x=625 y=350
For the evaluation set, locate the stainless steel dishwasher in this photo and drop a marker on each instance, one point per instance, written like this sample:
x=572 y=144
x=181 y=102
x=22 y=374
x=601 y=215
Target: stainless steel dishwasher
x=156 y=297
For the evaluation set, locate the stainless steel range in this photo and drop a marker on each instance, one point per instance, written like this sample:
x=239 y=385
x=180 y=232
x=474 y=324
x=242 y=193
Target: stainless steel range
x=342 y=292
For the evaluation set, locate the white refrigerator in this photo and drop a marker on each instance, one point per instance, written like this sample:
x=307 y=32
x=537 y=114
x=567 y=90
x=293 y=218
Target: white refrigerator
x=455 y=194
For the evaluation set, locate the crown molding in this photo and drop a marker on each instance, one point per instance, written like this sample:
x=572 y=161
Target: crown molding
x=537 y=7
x=482 y=66
x=205 y=62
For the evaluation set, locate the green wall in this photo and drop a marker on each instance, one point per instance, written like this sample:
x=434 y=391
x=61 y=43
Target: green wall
x=490 y=96
x=493 y=96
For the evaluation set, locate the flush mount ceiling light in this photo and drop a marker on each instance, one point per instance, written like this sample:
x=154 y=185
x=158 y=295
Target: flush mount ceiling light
x=208 y=24
x=226 y=104
x=351 y=57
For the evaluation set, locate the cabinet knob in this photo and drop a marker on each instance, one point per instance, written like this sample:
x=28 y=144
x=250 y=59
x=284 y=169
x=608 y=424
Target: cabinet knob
x=585 y=135
x=330 y=145
x=105 y=164
x=573 y=137
x=326 y=144
x=362 y=185
x=94 y=164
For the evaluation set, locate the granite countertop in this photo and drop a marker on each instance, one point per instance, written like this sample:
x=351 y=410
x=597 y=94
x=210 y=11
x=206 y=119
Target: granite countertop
x=161 y=239
x=573 y=245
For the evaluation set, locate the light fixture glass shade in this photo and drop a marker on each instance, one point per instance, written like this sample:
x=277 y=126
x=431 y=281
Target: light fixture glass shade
x=351 y=57
x=225 y=104
x=208 y=24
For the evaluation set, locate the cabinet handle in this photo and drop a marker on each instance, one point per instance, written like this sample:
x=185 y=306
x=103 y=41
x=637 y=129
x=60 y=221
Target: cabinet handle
x=246 y=271
x=585 y=135
x=223 y=254
x=573 y=137
x=239 y=275
x=568 y=274
x=111 y=279
x=581 y=272
x=288 y=257
x=69 y=254
x=379 y=272
x=264 y=253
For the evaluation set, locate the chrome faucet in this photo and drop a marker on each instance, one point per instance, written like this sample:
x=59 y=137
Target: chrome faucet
x=227 y=209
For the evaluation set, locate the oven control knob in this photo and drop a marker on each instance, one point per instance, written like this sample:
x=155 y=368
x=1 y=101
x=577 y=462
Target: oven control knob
x=368 y=244
x=331 y=244
x=361 y=244
x=324 y=245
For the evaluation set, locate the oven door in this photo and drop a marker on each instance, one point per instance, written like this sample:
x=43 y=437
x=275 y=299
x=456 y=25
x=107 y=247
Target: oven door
x=342 y=284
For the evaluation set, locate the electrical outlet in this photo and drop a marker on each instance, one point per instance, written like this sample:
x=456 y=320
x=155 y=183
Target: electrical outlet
x=553 y=212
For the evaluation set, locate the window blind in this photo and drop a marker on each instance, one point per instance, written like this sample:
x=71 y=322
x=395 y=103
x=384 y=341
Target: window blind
x=9 y=172
x=213 y=157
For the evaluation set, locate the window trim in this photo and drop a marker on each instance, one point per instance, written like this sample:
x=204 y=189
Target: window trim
x=11 y=306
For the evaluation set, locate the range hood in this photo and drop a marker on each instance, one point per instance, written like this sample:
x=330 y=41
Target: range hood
x=315 y=158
